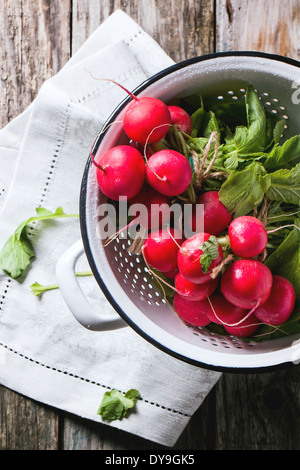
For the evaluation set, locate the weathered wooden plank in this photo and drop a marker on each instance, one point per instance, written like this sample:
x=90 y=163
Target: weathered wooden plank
x=34 y=44
x=258 y=412
x=25 y=424
x=183 y=29
x=271 y=27
x=81 y=434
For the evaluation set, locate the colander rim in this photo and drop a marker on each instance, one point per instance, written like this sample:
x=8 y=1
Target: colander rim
x=83 y=198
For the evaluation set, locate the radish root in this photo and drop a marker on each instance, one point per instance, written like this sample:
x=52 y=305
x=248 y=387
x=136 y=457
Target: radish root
x=240 y=321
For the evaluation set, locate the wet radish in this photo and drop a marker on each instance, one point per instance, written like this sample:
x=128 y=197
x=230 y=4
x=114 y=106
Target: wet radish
x=247 y=283
x=236 y=320
x=280 y=304
x=192 y=291
x=222 y=312
x=171 y=274
x=245 y=328
x=190 y=311
x=146 y=120
x=181 y=119
x=160 y=249
x=248 y=236
x=169 y=172
x=120 y=172
x=216 y=217
x=150 y=208
x=190 y=257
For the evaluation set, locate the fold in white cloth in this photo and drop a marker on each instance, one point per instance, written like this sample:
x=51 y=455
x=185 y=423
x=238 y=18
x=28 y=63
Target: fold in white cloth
x=45 y=353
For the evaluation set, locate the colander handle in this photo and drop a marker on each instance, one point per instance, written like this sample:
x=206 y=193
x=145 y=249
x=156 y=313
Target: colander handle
x=76 y=299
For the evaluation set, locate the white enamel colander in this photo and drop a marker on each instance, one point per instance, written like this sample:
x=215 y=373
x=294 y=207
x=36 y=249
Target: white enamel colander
x=123 y=277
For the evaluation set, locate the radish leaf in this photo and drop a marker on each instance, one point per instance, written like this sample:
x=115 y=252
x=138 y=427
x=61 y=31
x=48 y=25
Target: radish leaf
x=285 y=186
x=210 y=251
x=252 y=138
x=244 y=190
x=115 y=405
x=286 y=153
x=18 y=251
x=285 y=260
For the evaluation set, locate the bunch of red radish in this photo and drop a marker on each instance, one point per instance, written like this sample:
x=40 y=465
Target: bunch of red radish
x=244 y=293
x=122 y=170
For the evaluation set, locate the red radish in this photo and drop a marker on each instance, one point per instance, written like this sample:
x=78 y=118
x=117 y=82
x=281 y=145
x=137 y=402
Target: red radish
x=223 y=312
x=169 y=172
x=190 y=311
x=120 y=172
x=161 y=247
x=236 y=320
x=146 y=120
x=245 y=328
x=192 y=291
x=248 y=236
x=156 y=205
x=216 y=217
x=171 y=274
x=189 y=255
x=247 y=283
x=280 y=304
x=181 y=119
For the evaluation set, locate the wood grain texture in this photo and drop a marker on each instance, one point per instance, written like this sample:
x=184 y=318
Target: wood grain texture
x=257 y=411
x=25 y=424
x=254 y=25
x=166 y=21
x=35 y=43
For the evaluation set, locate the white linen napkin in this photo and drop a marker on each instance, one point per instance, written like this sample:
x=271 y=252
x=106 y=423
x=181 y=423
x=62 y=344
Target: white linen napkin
x=45 y=353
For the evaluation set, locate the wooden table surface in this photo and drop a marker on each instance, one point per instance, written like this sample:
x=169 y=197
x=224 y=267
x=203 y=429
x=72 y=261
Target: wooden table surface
x=37 y=37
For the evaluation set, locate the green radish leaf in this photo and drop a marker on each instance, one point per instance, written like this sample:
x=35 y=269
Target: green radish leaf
x=244 y=190
x=210 y=251
x=285 y=185
x=285 y=260
x=115 y=405
x=17 y=252
x=274 y=131
x=278 y=130
x=210 y=124
x=252 y=138
x=197 y=119
x=280 y=156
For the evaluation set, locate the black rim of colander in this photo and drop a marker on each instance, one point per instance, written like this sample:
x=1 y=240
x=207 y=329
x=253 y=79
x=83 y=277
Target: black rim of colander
x=83 y=197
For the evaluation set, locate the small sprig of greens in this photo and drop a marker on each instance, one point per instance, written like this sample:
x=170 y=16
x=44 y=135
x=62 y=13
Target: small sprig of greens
x=18 y=251
x=116 y=405
x=38 y=289
x=210 y=251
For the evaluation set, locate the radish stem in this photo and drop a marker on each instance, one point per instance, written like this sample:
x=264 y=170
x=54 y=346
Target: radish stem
x=38 y=289
x=115 y=83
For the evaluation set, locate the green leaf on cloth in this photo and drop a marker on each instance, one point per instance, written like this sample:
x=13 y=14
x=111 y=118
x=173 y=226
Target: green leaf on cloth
x=116 y=405
x=17 y=252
